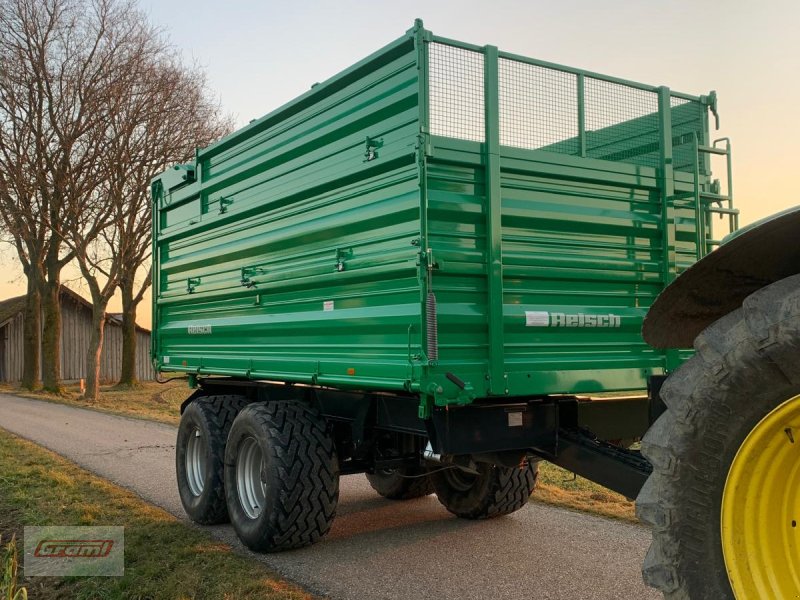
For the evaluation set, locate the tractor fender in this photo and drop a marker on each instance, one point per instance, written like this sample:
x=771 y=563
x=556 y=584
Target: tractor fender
x=746 y=261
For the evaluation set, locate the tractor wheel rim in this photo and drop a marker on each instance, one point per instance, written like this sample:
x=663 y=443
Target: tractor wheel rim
x=251 y=488
x=760 y=508
x=196 y=451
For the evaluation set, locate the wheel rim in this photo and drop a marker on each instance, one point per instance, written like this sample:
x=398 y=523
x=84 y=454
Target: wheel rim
x=196 y=452
x=760 y=509
x=252 y=490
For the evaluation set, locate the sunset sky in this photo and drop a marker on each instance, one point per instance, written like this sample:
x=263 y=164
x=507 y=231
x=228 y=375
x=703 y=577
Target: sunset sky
x=260 y=54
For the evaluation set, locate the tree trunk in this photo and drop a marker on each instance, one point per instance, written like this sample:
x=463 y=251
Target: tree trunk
x=128 y=375
x=95 y=350
x=31 y=344
x=51 y=335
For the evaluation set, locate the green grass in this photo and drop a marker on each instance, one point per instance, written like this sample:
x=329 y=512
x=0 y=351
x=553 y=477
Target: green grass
x=164 y=558
x=562 y=488
x=9 y=568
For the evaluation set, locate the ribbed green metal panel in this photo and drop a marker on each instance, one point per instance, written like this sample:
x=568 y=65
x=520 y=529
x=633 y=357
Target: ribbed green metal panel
x=579 y=237
x=314 y=241
x=292 y=256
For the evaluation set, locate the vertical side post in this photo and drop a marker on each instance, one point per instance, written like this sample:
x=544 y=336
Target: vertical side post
x=422 y=38
x=734 y=216
x=667 y=185
x=699 y=213
x=156 y=194
x=666 y=181
x=494 y=231
x=581 y=92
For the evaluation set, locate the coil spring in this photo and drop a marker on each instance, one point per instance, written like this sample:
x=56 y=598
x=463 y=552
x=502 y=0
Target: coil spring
x=433 y=329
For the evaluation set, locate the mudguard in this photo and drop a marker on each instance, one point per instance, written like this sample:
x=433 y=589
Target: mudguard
x=747 y=260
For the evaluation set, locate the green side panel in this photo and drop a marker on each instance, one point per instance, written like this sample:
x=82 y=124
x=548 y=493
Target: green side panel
x=579 y=237
x=440 y=218
x=295 y=254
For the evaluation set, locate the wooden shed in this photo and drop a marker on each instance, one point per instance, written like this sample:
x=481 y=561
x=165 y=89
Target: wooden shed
x=76 y=322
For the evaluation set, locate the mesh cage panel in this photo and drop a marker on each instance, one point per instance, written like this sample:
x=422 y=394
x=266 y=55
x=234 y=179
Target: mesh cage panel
x=688 y=120
x=538 y=107
x=456 y=93
x=539 y=111
x=622 y=123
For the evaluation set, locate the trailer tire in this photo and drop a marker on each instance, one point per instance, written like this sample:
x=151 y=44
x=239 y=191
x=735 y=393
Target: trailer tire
x=200 y=453
x=281 y=476
x=746 y=365
x=404 y=483
x=493 y=492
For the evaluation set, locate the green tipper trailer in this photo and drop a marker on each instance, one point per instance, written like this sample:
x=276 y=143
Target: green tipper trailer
x=423 y=269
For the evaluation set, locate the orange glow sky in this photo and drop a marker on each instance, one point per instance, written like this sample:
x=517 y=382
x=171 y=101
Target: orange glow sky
x=260 y=54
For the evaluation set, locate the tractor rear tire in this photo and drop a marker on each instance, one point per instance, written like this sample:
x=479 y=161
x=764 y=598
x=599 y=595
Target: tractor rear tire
x=746 y=364
x=281 y=476
x=405 y=483
x=199 y=454
x=493 y=492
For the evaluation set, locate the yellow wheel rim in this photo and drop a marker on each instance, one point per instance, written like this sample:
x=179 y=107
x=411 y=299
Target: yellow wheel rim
x=760 y=509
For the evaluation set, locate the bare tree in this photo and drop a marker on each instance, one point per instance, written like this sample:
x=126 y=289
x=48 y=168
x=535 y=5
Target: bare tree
x=17 y=187
x=127 y=46
x=155 y=112
x=93 y=104
x=66 y=63
x=43 y=115
x=170 y=114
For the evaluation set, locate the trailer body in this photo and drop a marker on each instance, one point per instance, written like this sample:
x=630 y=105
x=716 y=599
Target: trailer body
x=440 y=219
x=432 y=268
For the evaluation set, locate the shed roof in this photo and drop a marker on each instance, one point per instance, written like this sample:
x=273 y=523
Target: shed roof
x=11 y=306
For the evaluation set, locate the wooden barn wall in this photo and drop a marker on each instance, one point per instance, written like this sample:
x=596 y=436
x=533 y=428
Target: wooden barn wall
x=144 y=365
x=76 y=323
x=75 y=328
x=11 y=337
x=75 y=342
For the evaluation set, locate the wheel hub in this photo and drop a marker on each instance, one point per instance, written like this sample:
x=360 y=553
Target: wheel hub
x=760 y=508
x=249 y=484
x=196 y=451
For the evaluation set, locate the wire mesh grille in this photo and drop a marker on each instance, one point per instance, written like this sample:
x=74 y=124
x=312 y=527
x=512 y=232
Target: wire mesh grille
x=538 y=107
x=621 y=123
x=539 y=110
x=456 y=93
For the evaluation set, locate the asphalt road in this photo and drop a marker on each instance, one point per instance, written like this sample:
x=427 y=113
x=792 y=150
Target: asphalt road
x=377 y=548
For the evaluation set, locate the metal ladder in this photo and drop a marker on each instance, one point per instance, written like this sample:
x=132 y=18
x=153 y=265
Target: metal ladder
x=711 y=202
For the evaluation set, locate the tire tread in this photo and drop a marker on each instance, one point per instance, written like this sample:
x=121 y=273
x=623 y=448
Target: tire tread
x=507 y=490
x=219 y=411
x=305 y=470
x=751 y=356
